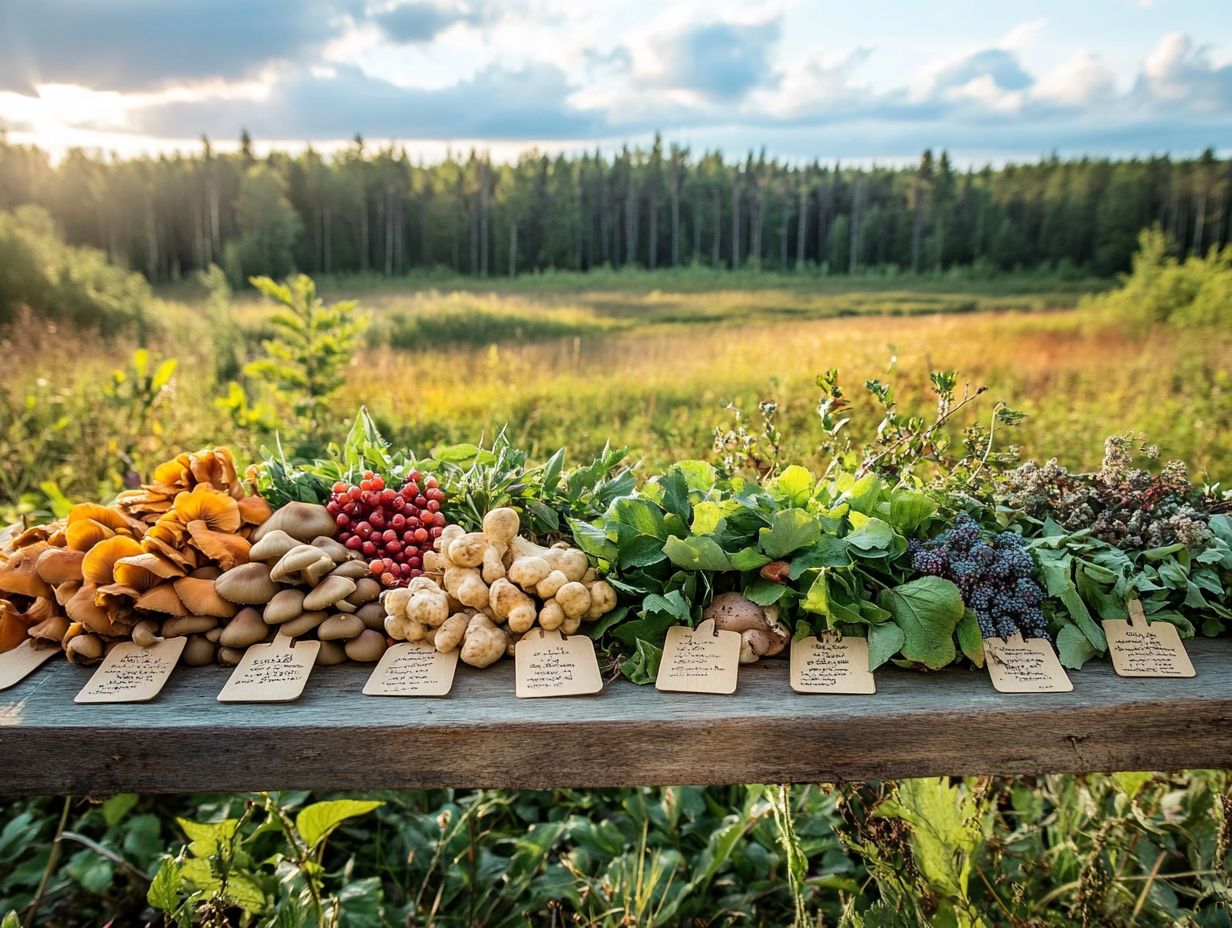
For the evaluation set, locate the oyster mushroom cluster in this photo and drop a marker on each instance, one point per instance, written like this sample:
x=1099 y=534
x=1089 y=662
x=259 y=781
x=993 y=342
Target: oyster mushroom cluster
x=762 y=634
x=143 y=568
x=300 y=582
x=484 y=590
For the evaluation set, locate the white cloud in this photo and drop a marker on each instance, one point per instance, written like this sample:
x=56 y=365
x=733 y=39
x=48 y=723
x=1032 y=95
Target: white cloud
x=1081 y=81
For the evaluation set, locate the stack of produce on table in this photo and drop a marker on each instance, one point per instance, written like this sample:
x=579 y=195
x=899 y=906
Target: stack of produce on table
x=471 y=548
x=484 y=590
x=302 y=583
x=1119 y=533
x=150 y=560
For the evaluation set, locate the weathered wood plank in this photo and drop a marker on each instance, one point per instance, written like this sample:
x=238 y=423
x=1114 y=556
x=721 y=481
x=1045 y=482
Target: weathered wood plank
x=334 y=737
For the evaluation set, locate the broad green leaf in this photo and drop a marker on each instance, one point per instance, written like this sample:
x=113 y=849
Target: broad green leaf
x=828 y=552
x=765 y=592
x=643 y=666
x=1073 y=648
x=205 y=837
x=164 y=891
x=706 y=517
x=884 y=641
x=696 y=553
x=593 y=540
x=928 y=610
x=864 y=493
x=794 y=485
x=698 y=475
x=873 y=535
x=317 y=821
x=945 y=829
x=970 y=638
x=909 y=509
x=748 y=559
x=789 y=530
x=1131 y=782
x=115 y=807
x=817 y=600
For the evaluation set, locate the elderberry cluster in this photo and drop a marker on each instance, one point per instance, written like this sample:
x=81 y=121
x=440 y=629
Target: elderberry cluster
x=993 y=575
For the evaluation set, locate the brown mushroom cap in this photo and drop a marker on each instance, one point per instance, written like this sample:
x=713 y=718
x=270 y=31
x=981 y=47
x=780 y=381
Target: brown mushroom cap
x=162 y=599
x=297 y=560
x=272 y=546
x=249 y=584
x=366 y=591
x=201 y=598
x=302 y=624
x=188 y=625
x=59 y=565
x=284 y=606
x=331 y=653
x=247 y=628
x=340 y=627
x=335 y=549
x=367 y=647
x=199 y=652
x=372 y=615
x=356 y=570
x=329 y=592
x=230 y=657
x=84 y=649
x=732 y=612
x=302 y=521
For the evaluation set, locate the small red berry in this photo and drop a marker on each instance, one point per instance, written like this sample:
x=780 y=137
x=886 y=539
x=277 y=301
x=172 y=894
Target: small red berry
x=369 y=549
x=354 y=542
x=342 y=520
x=421 y=534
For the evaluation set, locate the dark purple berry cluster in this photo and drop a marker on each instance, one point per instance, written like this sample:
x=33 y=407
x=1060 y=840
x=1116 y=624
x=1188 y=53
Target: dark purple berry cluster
x=993 y=574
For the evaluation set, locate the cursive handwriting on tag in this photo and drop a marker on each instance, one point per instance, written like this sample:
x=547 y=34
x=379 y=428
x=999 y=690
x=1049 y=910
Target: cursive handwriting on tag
x=1139 y=648
x=131 y=673
x=274 y=672
x=18 y=663
x=546 y=664
x=697 y=660
x=1030 y=666
x=831 y=663
x=409 y=669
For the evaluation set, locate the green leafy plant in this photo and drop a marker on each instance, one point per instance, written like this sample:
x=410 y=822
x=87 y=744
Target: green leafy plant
x=305 y=363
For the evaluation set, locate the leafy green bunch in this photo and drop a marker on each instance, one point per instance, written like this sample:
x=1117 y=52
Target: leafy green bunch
x=830 y=554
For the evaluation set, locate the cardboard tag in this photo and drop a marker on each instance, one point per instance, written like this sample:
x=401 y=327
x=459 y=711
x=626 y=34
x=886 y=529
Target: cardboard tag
x=413 y=670
x=697 y=660
x=548 y=665
x=831 y=664
x=131 y=673
x=18 y=663
x=1139 y=648
x=1030 y=666
x=274 y=672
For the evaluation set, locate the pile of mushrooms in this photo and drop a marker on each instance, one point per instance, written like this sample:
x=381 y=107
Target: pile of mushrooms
x=26 y=600
x=300 y=582
x=762 y=634
x=482 y=591
x=141 y=568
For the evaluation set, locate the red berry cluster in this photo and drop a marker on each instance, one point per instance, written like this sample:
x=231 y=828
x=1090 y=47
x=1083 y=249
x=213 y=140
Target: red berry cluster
x=392 y=528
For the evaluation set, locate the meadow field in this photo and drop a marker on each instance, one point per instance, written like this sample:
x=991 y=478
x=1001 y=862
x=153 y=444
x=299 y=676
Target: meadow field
x=571 y=361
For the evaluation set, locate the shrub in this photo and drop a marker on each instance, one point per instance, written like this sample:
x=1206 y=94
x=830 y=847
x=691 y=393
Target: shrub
x=63 y=283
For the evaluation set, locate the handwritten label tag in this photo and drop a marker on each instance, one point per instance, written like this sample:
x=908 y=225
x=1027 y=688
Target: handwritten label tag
x=274 y=672
x=1139 y=648
x=131 y=673
x=413 y=670
x=1030 y=666
x=696 y=660
x=19 y=662
x=831 y=664
x=548 y=665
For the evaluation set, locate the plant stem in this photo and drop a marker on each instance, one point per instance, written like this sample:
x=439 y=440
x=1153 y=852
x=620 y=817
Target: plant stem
x=53 y=858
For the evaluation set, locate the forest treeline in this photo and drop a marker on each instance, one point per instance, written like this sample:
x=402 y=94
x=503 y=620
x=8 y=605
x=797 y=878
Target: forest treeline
x=378 y=211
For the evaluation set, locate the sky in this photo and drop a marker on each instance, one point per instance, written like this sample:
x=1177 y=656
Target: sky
x=877 y=80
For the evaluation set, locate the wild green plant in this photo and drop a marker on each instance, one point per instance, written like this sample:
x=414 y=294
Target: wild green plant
x=305 y=363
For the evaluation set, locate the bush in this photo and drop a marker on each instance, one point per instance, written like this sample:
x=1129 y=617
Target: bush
x=63 y=283
x=1193 y=294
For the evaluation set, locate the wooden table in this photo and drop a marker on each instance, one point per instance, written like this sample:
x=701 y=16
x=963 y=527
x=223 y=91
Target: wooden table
x=481 y=735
